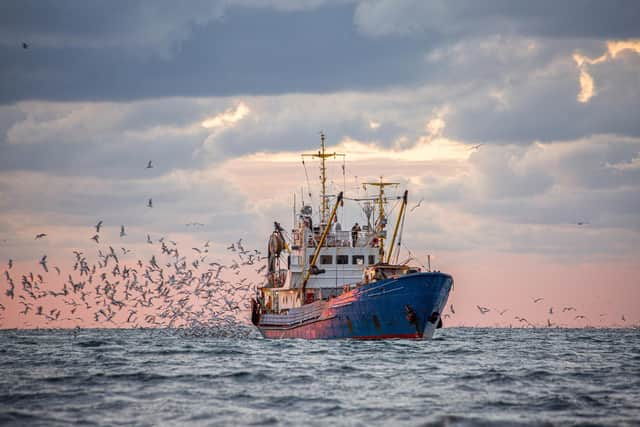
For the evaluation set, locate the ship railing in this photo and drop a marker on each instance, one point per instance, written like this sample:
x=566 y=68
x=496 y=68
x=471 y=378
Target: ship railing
x=365 y=239
x=341 y=239
x=295 y=315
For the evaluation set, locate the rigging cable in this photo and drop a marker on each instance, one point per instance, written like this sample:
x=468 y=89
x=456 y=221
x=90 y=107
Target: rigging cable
x=307 y=175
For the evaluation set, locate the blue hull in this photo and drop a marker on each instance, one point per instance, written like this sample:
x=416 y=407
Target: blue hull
x=406 y=307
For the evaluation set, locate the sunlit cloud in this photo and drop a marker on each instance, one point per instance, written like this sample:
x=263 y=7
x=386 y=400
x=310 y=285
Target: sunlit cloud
x=228 y=118
x=614 y=48
x=586 y=87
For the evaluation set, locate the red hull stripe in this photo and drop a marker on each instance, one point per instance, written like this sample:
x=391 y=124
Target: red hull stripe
x=273 y=334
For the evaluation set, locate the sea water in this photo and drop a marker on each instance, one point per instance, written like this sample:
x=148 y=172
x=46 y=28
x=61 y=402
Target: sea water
x=463 y=377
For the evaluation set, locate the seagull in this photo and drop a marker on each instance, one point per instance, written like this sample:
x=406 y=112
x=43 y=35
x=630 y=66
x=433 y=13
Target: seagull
x=10 y=263
x=96 y=237
x=503 y=311
x=568 y=309
x=580 y=316
x=537 y=300
x=416 y=206
x=25 y=45
x=149 y=239
x=548 y=323
x=483 y=310
x=452 y=310
x=98 y=225
x=623 y=318
x=150 y=203
x=550 y=310
x=43 y=263
x=475 y=147
x=122 y=233
x=40 y=236
x=149 y=165
x=582 y=223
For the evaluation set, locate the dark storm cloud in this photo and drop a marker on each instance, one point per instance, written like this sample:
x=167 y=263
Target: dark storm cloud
x=249 y=51
x=463 y=18
x=130 y=50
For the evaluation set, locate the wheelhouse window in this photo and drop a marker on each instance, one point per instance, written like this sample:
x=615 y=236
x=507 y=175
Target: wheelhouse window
x=357 y=260
x=326 y=259
x=342 y=259
x=372 y=259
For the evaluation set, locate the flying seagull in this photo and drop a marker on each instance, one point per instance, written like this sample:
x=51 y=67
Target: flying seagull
x=98 y=225
x=43 y=263
x=537 y=300
x=40 y=236
x=150 y=203
x=452 y=310
x=25 y=45
x=149 y=165
x=96 y=237
x=149 y=239
x=483 y=310
x=122 y=233
x=416 y=206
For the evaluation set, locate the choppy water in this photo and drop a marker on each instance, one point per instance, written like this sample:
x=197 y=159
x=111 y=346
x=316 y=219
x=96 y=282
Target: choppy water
x=463 y=377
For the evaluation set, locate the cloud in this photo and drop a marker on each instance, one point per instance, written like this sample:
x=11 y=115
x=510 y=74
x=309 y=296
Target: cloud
x=228 y=118
x=614 y=48
x=206 y=49
x=459 y=19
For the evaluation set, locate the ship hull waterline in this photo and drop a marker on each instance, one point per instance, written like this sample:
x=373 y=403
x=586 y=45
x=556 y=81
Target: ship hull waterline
x=407 y=307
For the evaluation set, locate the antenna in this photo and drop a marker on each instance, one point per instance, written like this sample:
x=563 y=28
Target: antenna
x=322 y=155
x=382 y=220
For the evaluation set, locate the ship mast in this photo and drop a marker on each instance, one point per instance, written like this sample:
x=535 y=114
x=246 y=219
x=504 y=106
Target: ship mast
x=382 y=219
x=322 y=155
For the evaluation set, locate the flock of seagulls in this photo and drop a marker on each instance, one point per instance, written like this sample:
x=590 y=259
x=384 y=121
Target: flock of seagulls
x=171 y=289
x=525 y=322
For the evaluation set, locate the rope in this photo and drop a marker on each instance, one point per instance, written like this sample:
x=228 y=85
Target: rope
x=307 y=175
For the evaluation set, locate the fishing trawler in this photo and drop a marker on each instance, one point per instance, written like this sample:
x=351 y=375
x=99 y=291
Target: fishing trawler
x=324 y=282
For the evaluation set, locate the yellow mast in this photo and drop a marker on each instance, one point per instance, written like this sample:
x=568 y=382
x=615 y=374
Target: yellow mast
x=382 y=220
x=327 y=227
x=395 y=229
x=322 y=155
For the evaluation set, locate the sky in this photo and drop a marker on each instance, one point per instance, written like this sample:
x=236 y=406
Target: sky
x=514 y=125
